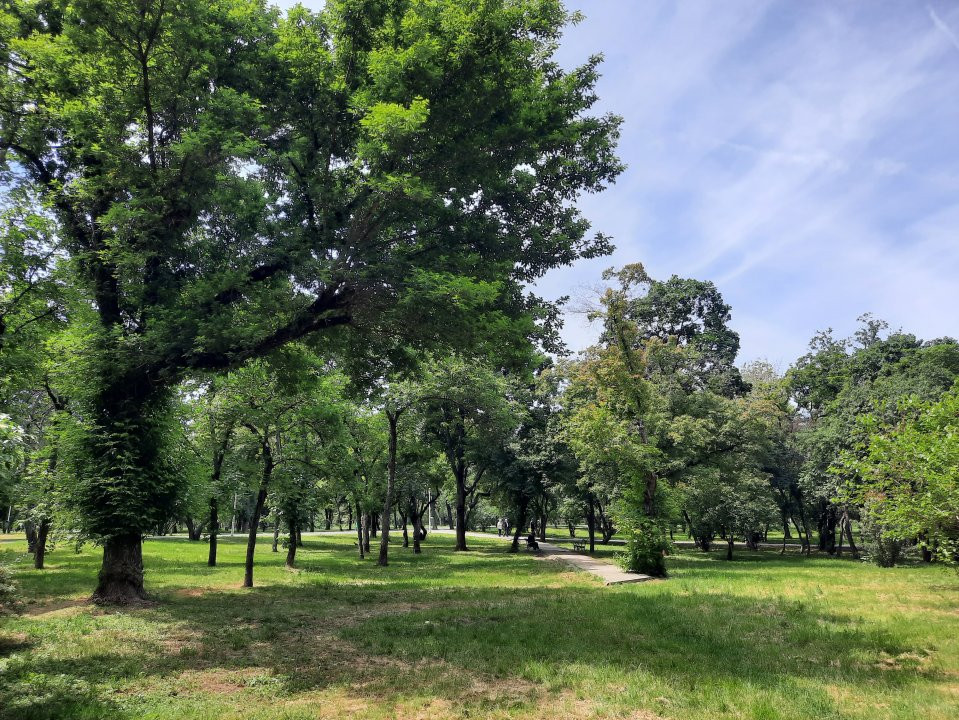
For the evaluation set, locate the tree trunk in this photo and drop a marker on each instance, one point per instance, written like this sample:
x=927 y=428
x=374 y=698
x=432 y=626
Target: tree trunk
x=847 y=526
x=214 y=530
x=257 y=512
x=417 y=525
x=30 y=530
x=367 y=521
x=120 y=581
x=359 y=530
x=729 y=546
x=805 y=524
x=591 y=523
x=193 y=531
x=383 y=559
x=291 y=550
x=276 y=535
x=830 y=534
x=520 y=524
x=40 y=549
x=461 y=508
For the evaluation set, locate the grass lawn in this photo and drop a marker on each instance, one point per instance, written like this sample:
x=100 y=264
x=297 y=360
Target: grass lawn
x=481 y=635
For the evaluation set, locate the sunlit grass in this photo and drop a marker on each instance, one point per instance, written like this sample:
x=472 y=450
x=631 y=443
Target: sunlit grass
x=480 y=634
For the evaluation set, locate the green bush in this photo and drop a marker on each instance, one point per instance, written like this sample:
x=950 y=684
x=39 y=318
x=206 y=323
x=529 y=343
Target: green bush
x=646 y=546
x=878 y=546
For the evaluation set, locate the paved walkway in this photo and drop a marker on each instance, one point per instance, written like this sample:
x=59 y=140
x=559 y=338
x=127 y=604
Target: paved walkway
x=606 y=571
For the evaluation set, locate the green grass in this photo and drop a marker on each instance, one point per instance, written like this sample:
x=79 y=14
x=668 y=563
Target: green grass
x=482 y=635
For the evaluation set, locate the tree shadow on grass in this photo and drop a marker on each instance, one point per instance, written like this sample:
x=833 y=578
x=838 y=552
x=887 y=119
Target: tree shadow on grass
x=400 y=637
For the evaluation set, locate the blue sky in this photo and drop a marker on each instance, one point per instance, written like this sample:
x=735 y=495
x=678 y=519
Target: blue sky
x=804 y=156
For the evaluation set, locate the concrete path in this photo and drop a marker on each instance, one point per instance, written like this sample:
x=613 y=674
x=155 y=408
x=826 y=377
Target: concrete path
x=606 y=571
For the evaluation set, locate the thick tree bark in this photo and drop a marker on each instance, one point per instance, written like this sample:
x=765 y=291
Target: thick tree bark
x=257 y=512
x=40 y=549
x=214 y=530
x=383 y=560
x=120 y=581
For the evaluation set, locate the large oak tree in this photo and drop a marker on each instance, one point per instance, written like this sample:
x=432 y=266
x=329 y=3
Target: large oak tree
x=226 y=179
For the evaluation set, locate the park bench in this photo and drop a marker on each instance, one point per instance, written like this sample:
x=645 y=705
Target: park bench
x=579 y=546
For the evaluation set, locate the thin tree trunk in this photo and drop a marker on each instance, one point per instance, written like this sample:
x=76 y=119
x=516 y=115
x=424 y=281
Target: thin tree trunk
x=214 y=530
x=520 y=524
x=847 y=526
x=461 y=508
x=591 y=524
x=383 y=559
x=40 y=549
x=417 y=525
x=729 y=546
x=257 y=512
x=359 y=530
x=276 y=535
x=30 y=530
x=291 y=550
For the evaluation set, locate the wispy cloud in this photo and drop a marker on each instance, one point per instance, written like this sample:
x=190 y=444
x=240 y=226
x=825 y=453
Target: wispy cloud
x=791 y=152
x=946 y=30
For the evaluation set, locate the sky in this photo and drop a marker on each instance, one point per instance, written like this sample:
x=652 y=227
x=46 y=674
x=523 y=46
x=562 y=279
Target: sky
x=804 y=156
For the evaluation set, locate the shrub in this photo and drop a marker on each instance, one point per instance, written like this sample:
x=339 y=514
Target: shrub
x=647 y=543
x=878 y=546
